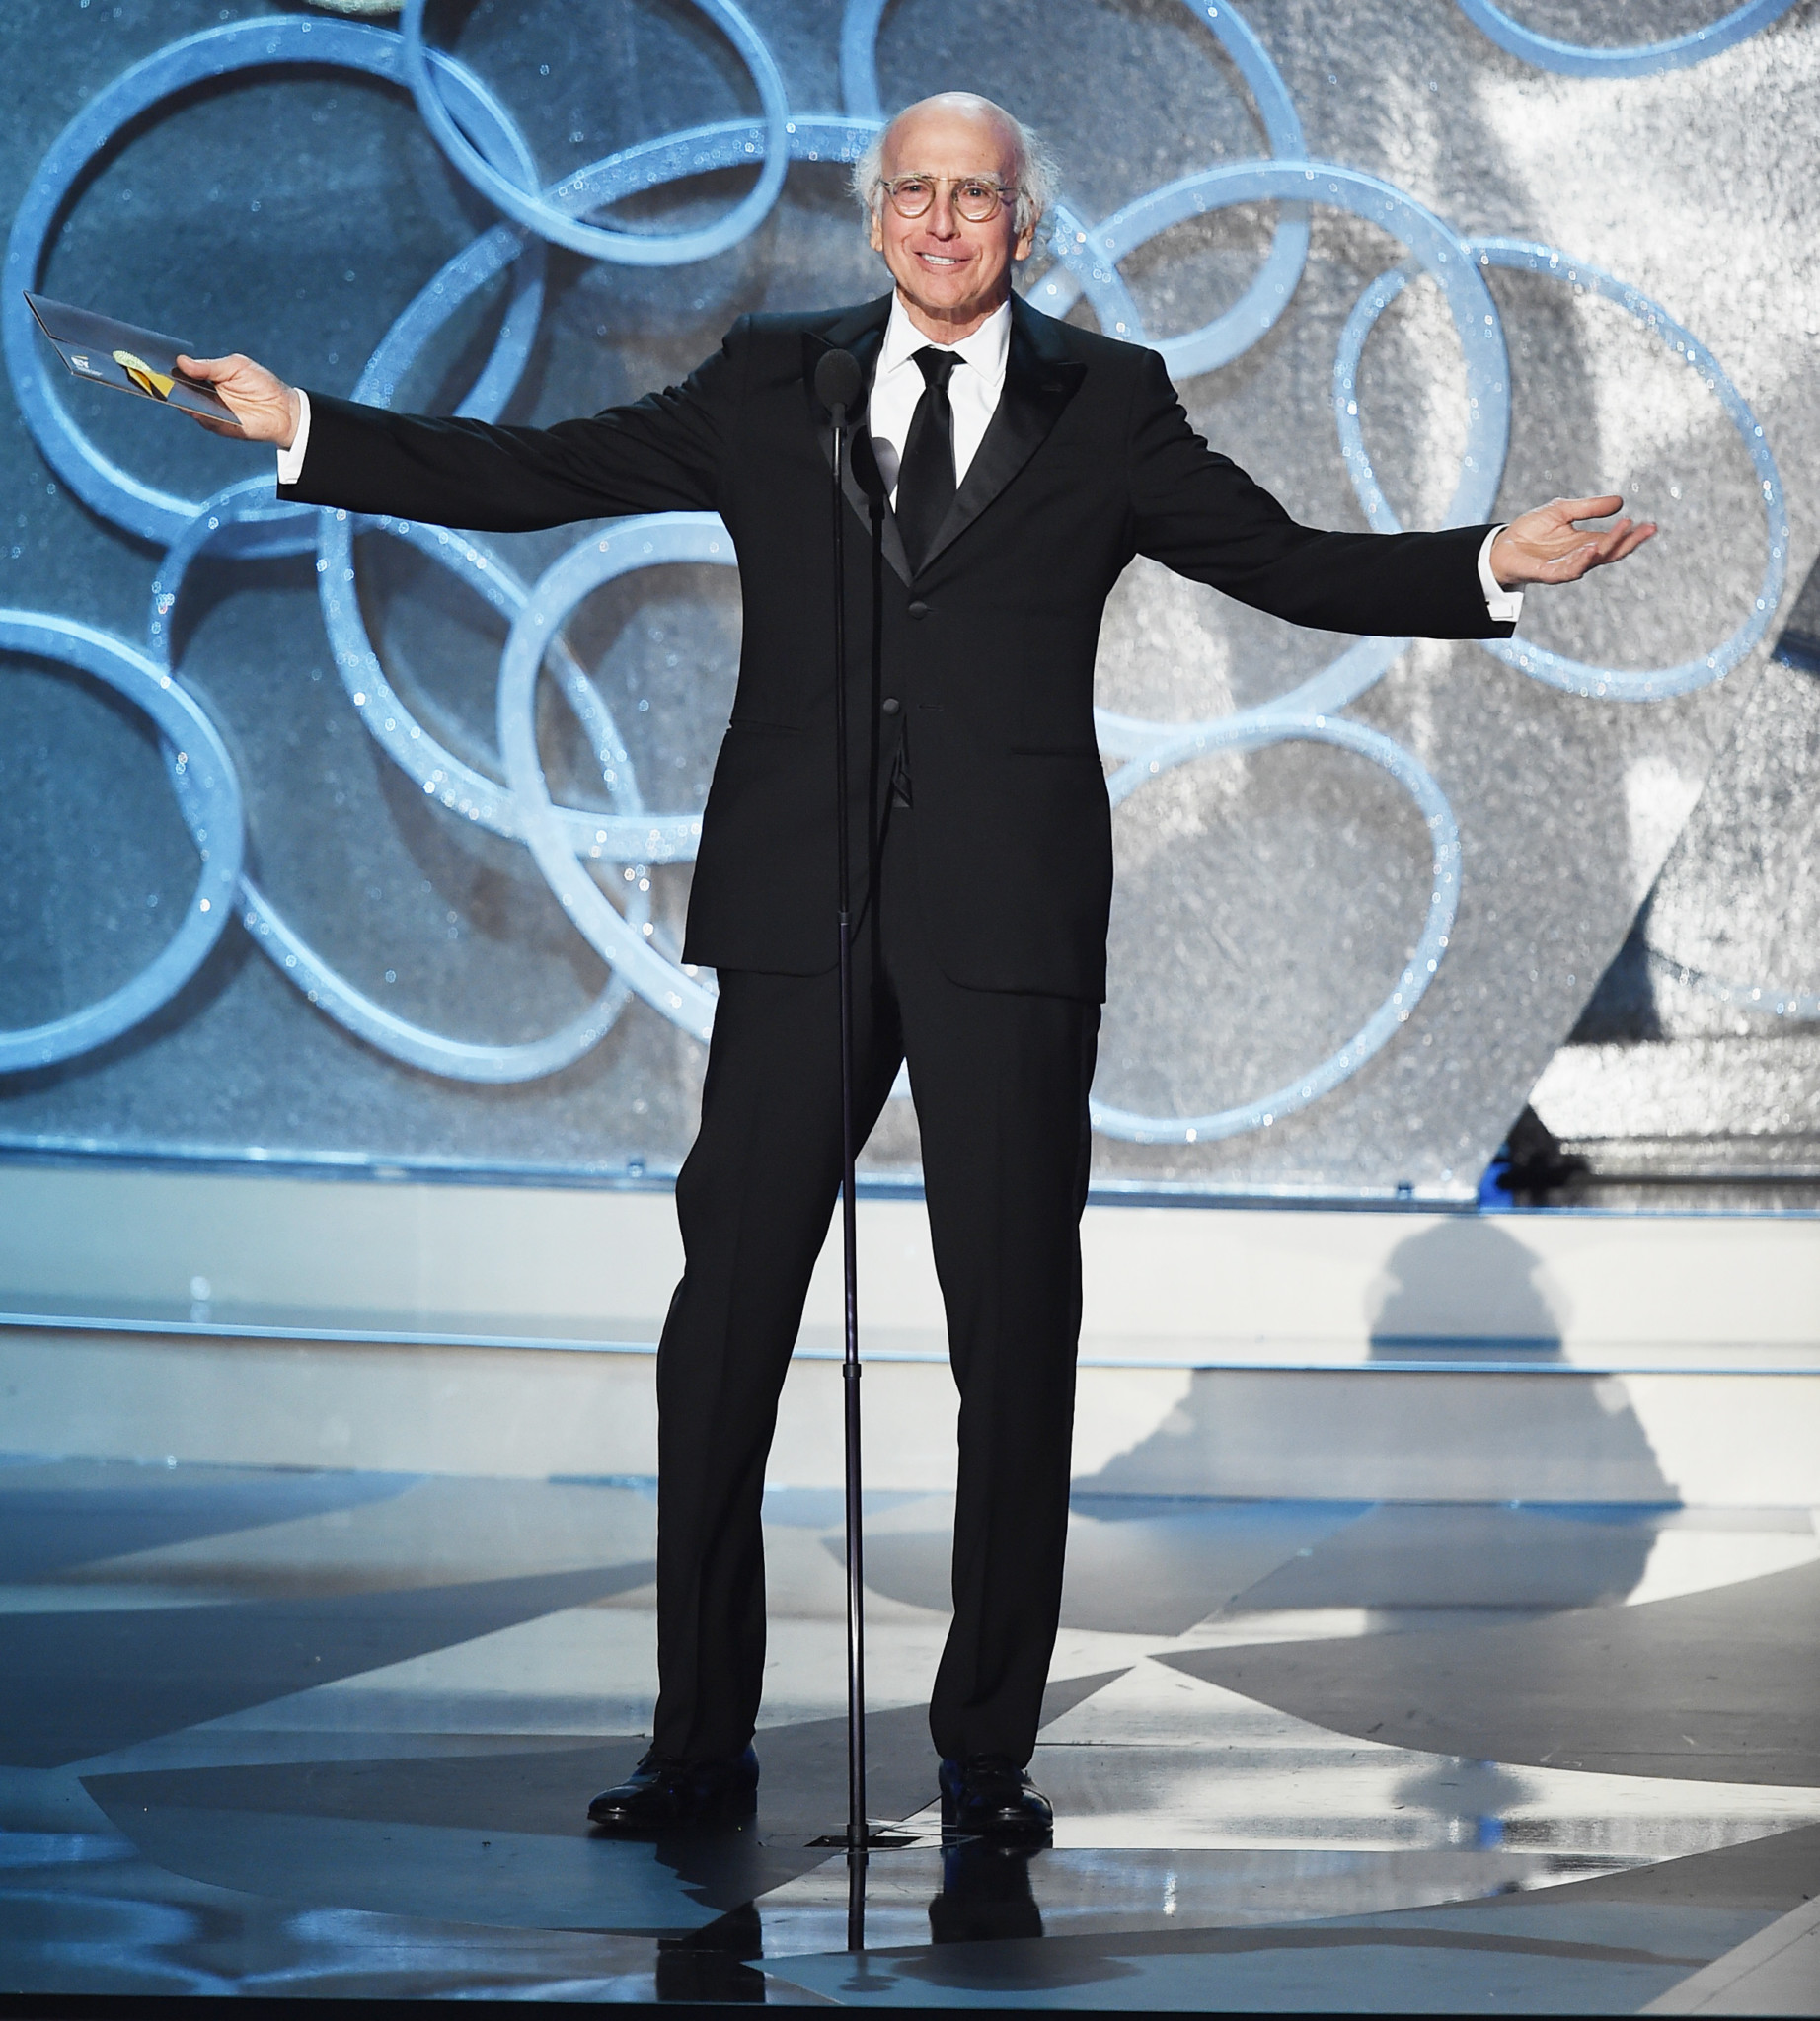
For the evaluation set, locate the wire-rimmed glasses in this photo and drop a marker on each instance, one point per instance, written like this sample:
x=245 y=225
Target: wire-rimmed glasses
x=974 y=198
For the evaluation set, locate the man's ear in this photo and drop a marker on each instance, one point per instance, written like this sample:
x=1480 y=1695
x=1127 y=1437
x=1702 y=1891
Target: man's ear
x=1027 y=240
x=874 y=235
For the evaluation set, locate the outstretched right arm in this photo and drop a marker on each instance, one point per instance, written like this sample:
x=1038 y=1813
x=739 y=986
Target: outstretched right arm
x=664 y=452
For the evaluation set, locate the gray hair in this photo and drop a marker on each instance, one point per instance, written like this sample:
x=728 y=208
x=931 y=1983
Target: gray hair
x=1037 y=174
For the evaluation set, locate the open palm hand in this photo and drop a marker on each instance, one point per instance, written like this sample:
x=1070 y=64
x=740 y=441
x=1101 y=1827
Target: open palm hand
x=1550 y=545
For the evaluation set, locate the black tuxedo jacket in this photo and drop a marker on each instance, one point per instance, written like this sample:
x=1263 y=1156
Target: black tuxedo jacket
x=982 y=659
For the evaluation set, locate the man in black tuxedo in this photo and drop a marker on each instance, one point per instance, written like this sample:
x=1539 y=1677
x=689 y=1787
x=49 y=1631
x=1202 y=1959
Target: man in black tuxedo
x=1023 y=463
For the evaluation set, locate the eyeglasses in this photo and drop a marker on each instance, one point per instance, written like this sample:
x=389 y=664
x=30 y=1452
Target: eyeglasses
x=976 y=197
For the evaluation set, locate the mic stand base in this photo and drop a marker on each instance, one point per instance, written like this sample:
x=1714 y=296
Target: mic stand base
x=880 y=1837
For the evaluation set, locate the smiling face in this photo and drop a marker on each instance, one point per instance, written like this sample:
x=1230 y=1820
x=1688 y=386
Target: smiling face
x=950 y=273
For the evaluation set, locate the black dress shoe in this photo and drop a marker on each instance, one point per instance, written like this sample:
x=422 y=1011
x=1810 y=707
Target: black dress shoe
x=666 y=1795
x=988 y=1796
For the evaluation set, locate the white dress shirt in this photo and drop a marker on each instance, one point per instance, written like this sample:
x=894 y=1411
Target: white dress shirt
x=973 y=393
x=290 y=461
x=974 y=388
x=1502 y=606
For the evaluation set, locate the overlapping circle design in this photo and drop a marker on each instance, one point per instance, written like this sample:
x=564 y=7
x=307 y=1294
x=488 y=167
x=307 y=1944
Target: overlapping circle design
x=597 y=863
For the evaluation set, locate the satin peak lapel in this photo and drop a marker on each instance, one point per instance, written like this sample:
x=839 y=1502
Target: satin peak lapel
x=860 y=332
x=1040 y=379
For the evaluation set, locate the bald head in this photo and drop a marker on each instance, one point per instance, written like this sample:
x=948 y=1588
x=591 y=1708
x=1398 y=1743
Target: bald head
x=950 y=116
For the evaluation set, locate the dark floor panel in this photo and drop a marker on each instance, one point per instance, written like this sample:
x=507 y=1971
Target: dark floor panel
x=1722 y=1685
x=803 y=1793
x=76 y=1685
x=127 y=1508
x=542 y=1790
x=307 y=1830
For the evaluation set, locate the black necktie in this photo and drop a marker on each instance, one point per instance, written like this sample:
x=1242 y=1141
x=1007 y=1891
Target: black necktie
x=926 y=476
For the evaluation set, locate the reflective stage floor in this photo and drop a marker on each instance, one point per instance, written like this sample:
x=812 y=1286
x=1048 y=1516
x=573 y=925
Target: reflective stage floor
x=276 y=1733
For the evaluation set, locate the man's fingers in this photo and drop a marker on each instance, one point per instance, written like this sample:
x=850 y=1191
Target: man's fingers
x=1590 y=508
x=1632 y=540
x=1606 y=539
x=1620 y=539
x=1615 y=546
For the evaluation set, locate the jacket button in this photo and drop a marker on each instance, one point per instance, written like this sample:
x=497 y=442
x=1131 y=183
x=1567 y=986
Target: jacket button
x=919 y=610
x=890 y=704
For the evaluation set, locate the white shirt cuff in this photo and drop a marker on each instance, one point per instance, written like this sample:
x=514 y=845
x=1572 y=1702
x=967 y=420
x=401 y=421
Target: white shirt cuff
x=1502 y=606
x=290 y=461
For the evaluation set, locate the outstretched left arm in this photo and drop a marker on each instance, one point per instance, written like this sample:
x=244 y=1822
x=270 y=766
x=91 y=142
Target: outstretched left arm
x=1198 y=514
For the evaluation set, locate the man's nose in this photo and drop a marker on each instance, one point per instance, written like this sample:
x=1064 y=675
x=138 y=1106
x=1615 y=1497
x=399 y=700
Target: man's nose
x=944 y=219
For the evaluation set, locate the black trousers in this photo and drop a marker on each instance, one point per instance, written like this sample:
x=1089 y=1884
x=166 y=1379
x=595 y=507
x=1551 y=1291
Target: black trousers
x=1000 y=1082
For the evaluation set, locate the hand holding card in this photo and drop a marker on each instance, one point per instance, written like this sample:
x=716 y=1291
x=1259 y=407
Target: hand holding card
x=263 y=408
x=131 y=359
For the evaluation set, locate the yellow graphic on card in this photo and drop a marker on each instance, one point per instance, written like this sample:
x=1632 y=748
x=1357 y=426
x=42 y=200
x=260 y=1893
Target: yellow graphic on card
x=143 y=377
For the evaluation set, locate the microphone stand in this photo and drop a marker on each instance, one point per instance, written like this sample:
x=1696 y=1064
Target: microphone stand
x=838 y=382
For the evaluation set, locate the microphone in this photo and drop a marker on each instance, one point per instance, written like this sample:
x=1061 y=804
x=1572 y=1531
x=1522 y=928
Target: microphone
x=839 y=386
x=838 y=383
x=865 y=466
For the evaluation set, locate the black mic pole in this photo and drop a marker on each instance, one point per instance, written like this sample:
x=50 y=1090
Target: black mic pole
x=838 y=384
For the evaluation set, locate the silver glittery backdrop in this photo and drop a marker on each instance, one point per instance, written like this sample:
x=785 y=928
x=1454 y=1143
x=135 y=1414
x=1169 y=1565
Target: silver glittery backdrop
x=1265 y=905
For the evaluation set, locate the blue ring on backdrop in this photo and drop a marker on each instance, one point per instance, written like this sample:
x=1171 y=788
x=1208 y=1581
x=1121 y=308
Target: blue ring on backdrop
x=861 y=21
x=212 y=809
x=624 y=837
x=627 y=836
x=115 y=493
x=459 y=277
x=601 y=241
x=1637 y=60
x=293 y=957
x=630 y=836
x=629 y=544
x=1446 y=256
x=232 y=519
x=1657 y=683
x=1088 y=262
x=1769 y=998
x=1310 y=709
x=1252 y=732
x=1380 y=516
x=1231 y=334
